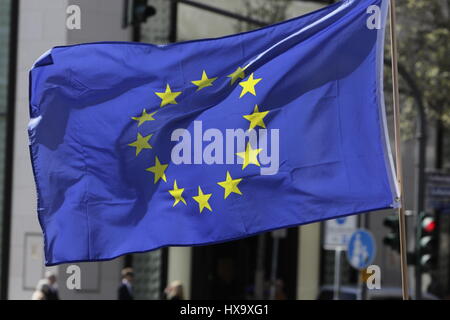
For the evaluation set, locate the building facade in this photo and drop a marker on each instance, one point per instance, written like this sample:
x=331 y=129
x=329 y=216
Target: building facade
x=239 y=269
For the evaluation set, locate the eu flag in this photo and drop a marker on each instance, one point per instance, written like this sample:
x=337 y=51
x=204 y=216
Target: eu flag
x=138 y=146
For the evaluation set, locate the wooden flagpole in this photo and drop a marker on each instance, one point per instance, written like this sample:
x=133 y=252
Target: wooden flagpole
x=398 y=153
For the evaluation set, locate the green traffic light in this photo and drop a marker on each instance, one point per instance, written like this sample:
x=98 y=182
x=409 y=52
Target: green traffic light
x=392 y=239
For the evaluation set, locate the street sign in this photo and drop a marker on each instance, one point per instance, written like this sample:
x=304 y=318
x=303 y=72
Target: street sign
x=338 y=232
x=438 y=191
x=361 y=249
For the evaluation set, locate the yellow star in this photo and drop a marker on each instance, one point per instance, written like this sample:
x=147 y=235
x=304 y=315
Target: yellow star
x=176 y=193
x=158 y=169
x=256 y=118
x=239 y=73
x=204 y=81
x=144 y=117
x=250 y=156
x=249 y=85
x=230 y=185
x=141 y=143
x=202 y=200
x=168 y=97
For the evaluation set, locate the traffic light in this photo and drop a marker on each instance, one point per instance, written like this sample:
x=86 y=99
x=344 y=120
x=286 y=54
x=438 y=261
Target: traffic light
x=427 y=242
x=392 y=239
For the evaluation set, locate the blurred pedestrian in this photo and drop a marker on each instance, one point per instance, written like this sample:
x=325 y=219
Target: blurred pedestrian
x=224 y=284
x=47 y=288
x=125 y=291
x=174 y=291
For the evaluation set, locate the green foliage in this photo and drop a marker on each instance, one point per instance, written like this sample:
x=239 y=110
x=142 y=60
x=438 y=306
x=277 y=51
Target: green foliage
x=268 y=11
x=424 y=50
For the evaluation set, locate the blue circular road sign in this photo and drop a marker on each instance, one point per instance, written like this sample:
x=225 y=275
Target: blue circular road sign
x=361 y=249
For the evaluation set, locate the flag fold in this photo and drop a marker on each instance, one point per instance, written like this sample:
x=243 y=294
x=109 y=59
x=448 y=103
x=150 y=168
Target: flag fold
x=138 y=146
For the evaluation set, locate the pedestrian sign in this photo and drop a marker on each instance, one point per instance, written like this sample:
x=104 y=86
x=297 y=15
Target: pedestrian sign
x=361 y=249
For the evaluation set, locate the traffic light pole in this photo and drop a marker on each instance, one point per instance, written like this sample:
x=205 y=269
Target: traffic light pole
x=421 y=137
x=398 y=154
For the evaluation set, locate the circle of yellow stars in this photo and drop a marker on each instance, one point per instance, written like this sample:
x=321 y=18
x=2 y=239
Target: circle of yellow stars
x=249 y=156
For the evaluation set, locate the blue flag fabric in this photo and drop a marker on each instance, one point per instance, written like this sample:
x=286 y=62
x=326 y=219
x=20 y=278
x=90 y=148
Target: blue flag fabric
x=139 y=146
